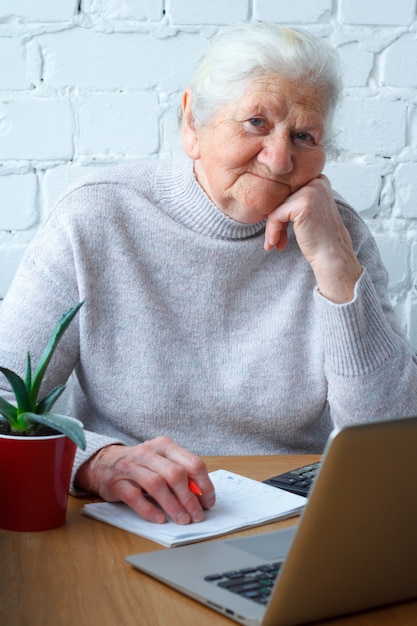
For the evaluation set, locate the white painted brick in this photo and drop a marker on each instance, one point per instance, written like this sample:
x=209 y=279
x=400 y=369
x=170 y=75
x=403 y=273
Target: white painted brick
x=412 y=319
x=371 y=125
x=296 y=11
x=395 y=252
x=400 y=62
x=356 y=63
x=412 y=125
x=204 y=12
x=406 y=190
x=34 y=63
x=18 y=201
x=120 y=61
x=129 y=122
x=40 y=10
x=390 y=12
x=128 y=9
x=412 y=299
x=358 y=183
x=10 y=257
x=36 y=128
x=401 y=307
x=13 y=66
x=171 y=139
x=413 y=264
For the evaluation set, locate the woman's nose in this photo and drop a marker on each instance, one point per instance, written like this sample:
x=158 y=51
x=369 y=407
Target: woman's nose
x=276 y=155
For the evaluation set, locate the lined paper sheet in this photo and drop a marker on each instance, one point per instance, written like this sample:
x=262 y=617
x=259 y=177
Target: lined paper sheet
x=241 y=502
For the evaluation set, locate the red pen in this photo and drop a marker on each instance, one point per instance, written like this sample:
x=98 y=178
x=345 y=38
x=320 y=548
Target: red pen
x=194 y=487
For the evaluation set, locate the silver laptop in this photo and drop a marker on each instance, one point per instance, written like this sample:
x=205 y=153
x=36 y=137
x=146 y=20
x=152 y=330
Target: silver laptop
x=354 y=547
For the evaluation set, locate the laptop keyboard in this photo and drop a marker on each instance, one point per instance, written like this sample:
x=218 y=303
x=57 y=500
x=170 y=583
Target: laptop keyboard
x=253 y=583
x=297 y=481
x=256 y=583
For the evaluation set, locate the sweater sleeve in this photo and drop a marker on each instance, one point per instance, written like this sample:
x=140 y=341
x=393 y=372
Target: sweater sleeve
x=95 y=442
x=370 y=369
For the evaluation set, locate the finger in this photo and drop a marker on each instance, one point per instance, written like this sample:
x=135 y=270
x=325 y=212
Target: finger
x=168 y=486
x=326 y=180
x=207 y=498
x=180 y=466
x=162 y=469
x=172 y=493
x=134 y=497
x=154 y=502
x=194 y=500
x=275 y=233
x=125 y=474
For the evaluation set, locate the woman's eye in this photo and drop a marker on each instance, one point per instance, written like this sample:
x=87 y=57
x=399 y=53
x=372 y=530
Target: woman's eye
x=256 y=122
x=304 y=137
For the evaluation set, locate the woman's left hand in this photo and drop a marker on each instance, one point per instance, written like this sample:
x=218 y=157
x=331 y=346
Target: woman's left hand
x=321 y=235
x=159 y=468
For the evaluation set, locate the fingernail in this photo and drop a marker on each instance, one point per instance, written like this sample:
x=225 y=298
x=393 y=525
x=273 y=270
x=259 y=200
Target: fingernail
x=210 y=501
x=183 y=518
x=158 y=518
x=198 y=517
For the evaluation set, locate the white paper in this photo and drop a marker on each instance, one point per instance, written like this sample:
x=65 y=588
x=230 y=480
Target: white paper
x=241 y=502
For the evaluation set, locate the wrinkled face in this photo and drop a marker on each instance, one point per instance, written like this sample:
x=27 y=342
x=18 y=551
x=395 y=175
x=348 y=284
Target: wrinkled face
x=260 y=148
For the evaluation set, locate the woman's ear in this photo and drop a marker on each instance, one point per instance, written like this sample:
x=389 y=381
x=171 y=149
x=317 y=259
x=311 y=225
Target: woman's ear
x=190 y=138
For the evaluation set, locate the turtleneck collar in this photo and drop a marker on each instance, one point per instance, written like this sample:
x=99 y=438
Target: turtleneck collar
x=180 y=195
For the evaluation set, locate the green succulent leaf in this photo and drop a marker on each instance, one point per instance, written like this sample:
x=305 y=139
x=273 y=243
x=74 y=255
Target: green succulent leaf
x=47 y=354
x=66 y=425
x=49 y=400
x=29 y=415
x=19 y=389
x=9 y=411
x=28 y=377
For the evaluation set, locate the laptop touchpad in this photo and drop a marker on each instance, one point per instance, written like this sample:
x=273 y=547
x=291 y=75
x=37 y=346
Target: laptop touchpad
x=272 y=546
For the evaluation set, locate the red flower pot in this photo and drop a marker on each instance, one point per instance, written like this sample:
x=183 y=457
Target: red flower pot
x=35 y=474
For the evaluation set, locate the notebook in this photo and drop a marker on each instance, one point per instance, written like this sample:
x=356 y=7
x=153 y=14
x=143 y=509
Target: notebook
x=240 y=503
x=354 y=548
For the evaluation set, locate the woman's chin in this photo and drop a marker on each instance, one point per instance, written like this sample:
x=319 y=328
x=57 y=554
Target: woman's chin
x=258 y=210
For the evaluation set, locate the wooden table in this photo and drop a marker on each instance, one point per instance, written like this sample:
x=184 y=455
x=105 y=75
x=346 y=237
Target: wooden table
x=76 y=575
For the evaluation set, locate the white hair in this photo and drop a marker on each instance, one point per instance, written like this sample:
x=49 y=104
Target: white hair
x=241 y=52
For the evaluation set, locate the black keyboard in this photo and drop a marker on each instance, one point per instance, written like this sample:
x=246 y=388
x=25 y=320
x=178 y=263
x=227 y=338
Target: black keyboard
x=253 y=583
x=297 y=481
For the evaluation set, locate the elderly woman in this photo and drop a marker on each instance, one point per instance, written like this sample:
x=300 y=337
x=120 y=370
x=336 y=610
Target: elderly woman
x=233 y=303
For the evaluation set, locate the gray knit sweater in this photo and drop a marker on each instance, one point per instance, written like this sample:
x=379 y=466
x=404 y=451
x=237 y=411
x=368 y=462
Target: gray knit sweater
x=190 y=329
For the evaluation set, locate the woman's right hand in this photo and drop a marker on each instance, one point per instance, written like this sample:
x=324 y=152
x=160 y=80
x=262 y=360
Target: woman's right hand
x=321 y=235
x=159 y=468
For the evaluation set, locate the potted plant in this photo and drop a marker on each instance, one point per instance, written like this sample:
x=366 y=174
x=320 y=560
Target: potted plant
x=37 y=447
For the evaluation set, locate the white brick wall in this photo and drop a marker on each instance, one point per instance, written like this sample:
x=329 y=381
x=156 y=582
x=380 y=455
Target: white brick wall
x=89 y=82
